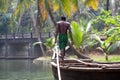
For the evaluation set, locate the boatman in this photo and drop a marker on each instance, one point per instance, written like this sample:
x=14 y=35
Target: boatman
x=62 y=28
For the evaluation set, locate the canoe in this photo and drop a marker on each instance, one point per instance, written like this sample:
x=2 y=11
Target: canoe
x=86 y=70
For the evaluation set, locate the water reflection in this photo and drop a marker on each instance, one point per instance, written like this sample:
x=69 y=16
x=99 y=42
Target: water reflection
x=24 y=70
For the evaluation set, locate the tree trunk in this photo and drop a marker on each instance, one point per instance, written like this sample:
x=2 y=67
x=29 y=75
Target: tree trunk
x=78 y=53
x=37 y=23
x=51 y=15
x=107 y=5
x=112 y=6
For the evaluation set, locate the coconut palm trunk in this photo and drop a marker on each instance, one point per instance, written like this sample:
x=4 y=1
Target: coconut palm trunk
x=37 y=25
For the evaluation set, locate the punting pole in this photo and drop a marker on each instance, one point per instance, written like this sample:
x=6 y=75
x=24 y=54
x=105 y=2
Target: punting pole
x=56 y=51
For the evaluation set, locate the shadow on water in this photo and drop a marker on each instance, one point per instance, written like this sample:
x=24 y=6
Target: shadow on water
x=24 y=70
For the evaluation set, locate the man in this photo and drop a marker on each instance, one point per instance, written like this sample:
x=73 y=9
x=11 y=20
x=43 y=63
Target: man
x=61 y=31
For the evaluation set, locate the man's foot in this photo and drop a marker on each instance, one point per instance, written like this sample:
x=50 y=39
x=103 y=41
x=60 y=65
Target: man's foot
x=62 y=64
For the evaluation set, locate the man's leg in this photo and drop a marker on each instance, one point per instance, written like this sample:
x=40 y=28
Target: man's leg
x=62 y=55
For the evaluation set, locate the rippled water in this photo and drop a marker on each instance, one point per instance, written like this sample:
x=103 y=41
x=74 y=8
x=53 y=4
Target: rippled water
x=25 y=70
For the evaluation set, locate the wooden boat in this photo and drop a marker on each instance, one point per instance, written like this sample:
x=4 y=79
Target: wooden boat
x=86 y=70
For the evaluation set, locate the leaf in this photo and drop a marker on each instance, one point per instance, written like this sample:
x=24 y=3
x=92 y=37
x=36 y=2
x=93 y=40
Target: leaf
x=56 y=7
x=4 y=5
x=43 y=9
x=66 y=4
x=76 y=33
x=49 y=43
x=92 y=3
x=89 y=26
x=112 y=47
x=37 y=43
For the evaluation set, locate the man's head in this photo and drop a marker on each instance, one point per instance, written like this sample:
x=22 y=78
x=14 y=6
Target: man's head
x=63 y=18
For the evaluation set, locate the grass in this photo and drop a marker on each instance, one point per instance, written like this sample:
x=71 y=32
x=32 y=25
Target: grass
x=95 y=57
x=101 y=58
x=44 y=58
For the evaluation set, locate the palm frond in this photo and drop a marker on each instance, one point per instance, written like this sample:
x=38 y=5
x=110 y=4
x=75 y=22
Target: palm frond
x=92 y=3
x=20 y=8
x=77 y=34
x=4 y=5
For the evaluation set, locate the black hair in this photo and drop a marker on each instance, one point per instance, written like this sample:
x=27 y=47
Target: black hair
x=63 y=18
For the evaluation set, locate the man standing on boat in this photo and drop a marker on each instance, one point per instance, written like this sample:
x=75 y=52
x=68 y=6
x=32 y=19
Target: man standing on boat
x=62 y=29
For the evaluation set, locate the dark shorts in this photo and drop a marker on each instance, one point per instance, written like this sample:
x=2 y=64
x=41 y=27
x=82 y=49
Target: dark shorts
x=62 y=41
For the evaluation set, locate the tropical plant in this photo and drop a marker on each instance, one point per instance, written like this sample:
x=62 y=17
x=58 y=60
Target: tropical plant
x=111 y=31
x=82 y=36
x=111 y=43
x=77 y=34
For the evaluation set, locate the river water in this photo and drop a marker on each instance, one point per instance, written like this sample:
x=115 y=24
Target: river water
x=24 y=70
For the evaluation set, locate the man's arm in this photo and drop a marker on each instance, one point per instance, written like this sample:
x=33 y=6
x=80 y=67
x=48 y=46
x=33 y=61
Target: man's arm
x=70 y=32
x=56 y=33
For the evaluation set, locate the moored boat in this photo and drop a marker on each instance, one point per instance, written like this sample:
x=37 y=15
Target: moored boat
x=86 y=70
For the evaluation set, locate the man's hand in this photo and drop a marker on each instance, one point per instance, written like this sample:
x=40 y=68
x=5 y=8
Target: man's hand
x=55 y=41
x=71 y=42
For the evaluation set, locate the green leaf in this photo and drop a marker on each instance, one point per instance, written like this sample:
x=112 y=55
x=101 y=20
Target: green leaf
x=37 y=43
x=112 y=47
x=76 y=33
x=49 y=43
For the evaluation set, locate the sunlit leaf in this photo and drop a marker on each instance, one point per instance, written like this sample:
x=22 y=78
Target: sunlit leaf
x=49 y=43
x=92 y=3
x=56 y=7
x=36 y=43
x=89 y=26
x=76 y=33
x=43 y=9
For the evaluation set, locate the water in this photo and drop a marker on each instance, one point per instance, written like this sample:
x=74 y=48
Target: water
x=25 y=70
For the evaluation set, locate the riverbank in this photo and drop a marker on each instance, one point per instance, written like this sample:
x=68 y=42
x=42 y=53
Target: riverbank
x=95 y=57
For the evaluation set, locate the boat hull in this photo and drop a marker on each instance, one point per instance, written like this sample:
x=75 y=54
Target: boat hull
x=81 y=73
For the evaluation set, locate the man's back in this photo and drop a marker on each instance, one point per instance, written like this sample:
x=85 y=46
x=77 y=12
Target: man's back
x=63 y=26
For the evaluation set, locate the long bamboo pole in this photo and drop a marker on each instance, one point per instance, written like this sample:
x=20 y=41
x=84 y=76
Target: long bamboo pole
x=56 y=51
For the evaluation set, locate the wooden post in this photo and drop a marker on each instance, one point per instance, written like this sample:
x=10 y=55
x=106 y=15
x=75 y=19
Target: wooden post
x=30 y=46
x=6 y=46
x=22 y=35
x=49 y=35
x=31 y=36
x=13 y=35
x=40 y=35
x=107 y=5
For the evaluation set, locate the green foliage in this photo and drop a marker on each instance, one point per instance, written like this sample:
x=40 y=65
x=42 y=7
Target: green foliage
x=112 y=23
x=82 y=34
x=37 y=43
x=111 y=43
x=113 y=47
x=49 y=43
x=77 y=34
x=108 y=19
x=4 y=5
x=113 y=33
x=20 y=8
x=4 y=23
